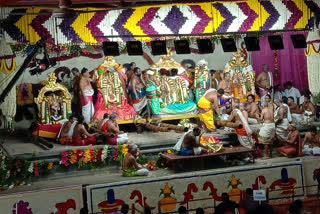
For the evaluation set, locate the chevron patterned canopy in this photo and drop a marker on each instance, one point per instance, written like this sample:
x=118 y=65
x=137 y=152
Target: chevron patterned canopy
x=147 y=21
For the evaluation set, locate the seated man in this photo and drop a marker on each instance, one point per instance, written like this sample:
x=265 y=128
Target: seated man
x=119 y=137
x=206 y=115
x=267 y=131
x=66 y=131
x=226 y=111
x=253 y=110
x=244 y=133
x=308 y=109
x=138 y=92
x=189 y=143
x=294 y=108
x=80 y=135
x=130 y=167
x=292 y=143
x=314 y=139
x=282 y=119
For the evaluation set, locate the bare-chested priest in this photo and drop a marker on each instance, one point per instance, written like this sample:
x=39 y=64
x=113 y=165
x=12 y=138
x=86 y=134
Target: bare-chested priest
x=226 y=85
x=86 y=95
x=130 y=167
x=66 y=131
x=265 y=82
x=311 y=142
x=189 y=143
x=267 y=131
x=294 y=107
x=253 y=110
x=205 y=104
x=282 y=118
x=291 y=147
x=80 y=135
x=119 y=137
x=307 y=112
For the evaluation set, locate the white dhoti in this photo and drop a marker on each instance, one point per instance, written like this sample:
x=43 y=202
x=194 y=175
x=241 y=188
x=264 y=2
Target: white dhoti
x=304 y=118
x=282 y=129
x=197 y=150
x=244 y=133
x=252 y=120
x=267 y=132
x=70 y=132
x=307 y=150
x=122 y=138
x=87 y=107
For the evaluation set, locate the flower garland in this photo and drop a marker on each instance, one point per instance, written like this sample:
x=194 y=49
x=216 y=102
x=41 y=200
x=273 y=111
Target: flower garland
x=8 y=70
x=93 y=157
x=311 y=49
x=15 y=172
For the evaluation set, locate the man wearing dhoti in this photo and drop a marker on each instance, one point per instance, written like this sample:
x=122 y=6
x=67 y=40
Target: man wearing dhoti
x=86 y=94
x=265 y=82
x=206 y=114
x=253 y=110
x=80 y=135
x=130 y=167
x=292 y=145
x=112 y=127
x=282 y=116
x=311 y=142
x=66 y=131
x=308 y=112
x=244 y=133
x=189 y=143
x=267 y=131
x=138 y=91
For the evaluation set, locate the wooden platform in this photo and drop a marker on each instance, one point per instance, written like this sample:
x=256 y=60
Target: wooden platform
x=173 y=158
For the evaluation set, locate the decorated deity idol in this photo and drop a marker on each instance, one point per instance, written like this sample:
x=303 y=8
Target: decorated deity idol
x=112 y=96
x=242 y=75
x=201 y=79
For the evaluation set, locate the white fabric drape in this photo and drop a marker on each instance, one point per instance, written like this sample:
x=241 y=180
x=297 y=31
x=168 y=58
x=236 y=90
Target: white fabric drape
x=313 y=62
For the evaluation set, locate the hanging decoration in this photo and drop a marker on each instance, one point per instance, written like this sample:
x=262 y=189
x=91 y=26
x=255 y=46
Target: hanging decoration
x=155 y=20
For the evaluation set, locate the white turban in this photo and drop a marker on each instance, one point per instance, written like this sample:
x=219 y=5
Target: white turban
x=150 y=72
x=181 y=70
x=203 y=62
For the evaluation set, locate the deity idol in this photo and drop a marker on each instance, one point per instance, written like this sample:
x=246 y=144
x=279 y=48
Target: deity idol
x=201 y=79
x=112 y=96
x=242 y=75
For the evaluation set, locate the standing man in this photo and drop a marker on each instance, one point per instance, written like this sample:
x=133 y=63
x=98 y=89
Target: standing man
x=282 y=119
x=130 y=71
x=253 y=110
x=292 y=92
x=86 y=95
x=265 y=82
x=152 y=94
x=138 y=92
x=226 y=85
x=214 y=82
x=206 y=114
x=267 y=131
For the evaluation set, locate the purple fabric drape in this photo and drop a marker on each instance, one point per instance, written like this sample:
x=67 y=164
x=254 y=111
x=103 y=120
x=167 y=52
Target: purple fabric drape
x=292 y=63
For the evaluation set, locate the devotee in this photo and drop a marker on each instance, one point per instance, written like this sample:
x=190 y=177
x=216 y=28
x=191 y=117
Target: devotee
x=226 y=110
x=291 y=147
x=138 y=92
x=130 y=71
x=282 y=119
x=313 y=140
x=268 y=129
x=210 y=99
x=294 y=108
x=130 y=167
x=277 y=96
x=66 y=131
x=307 y=112
x=265 y=82
x=75 y=103
x=189 y=143
x=226 y=85
x=253 y=110
x=152 y=95
x=113 y=127
x=214 y=81
x=80 y=135
x=226 y=205
x=244 y=133
x=291 y=92
x=86 y=95
x=268 y=100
